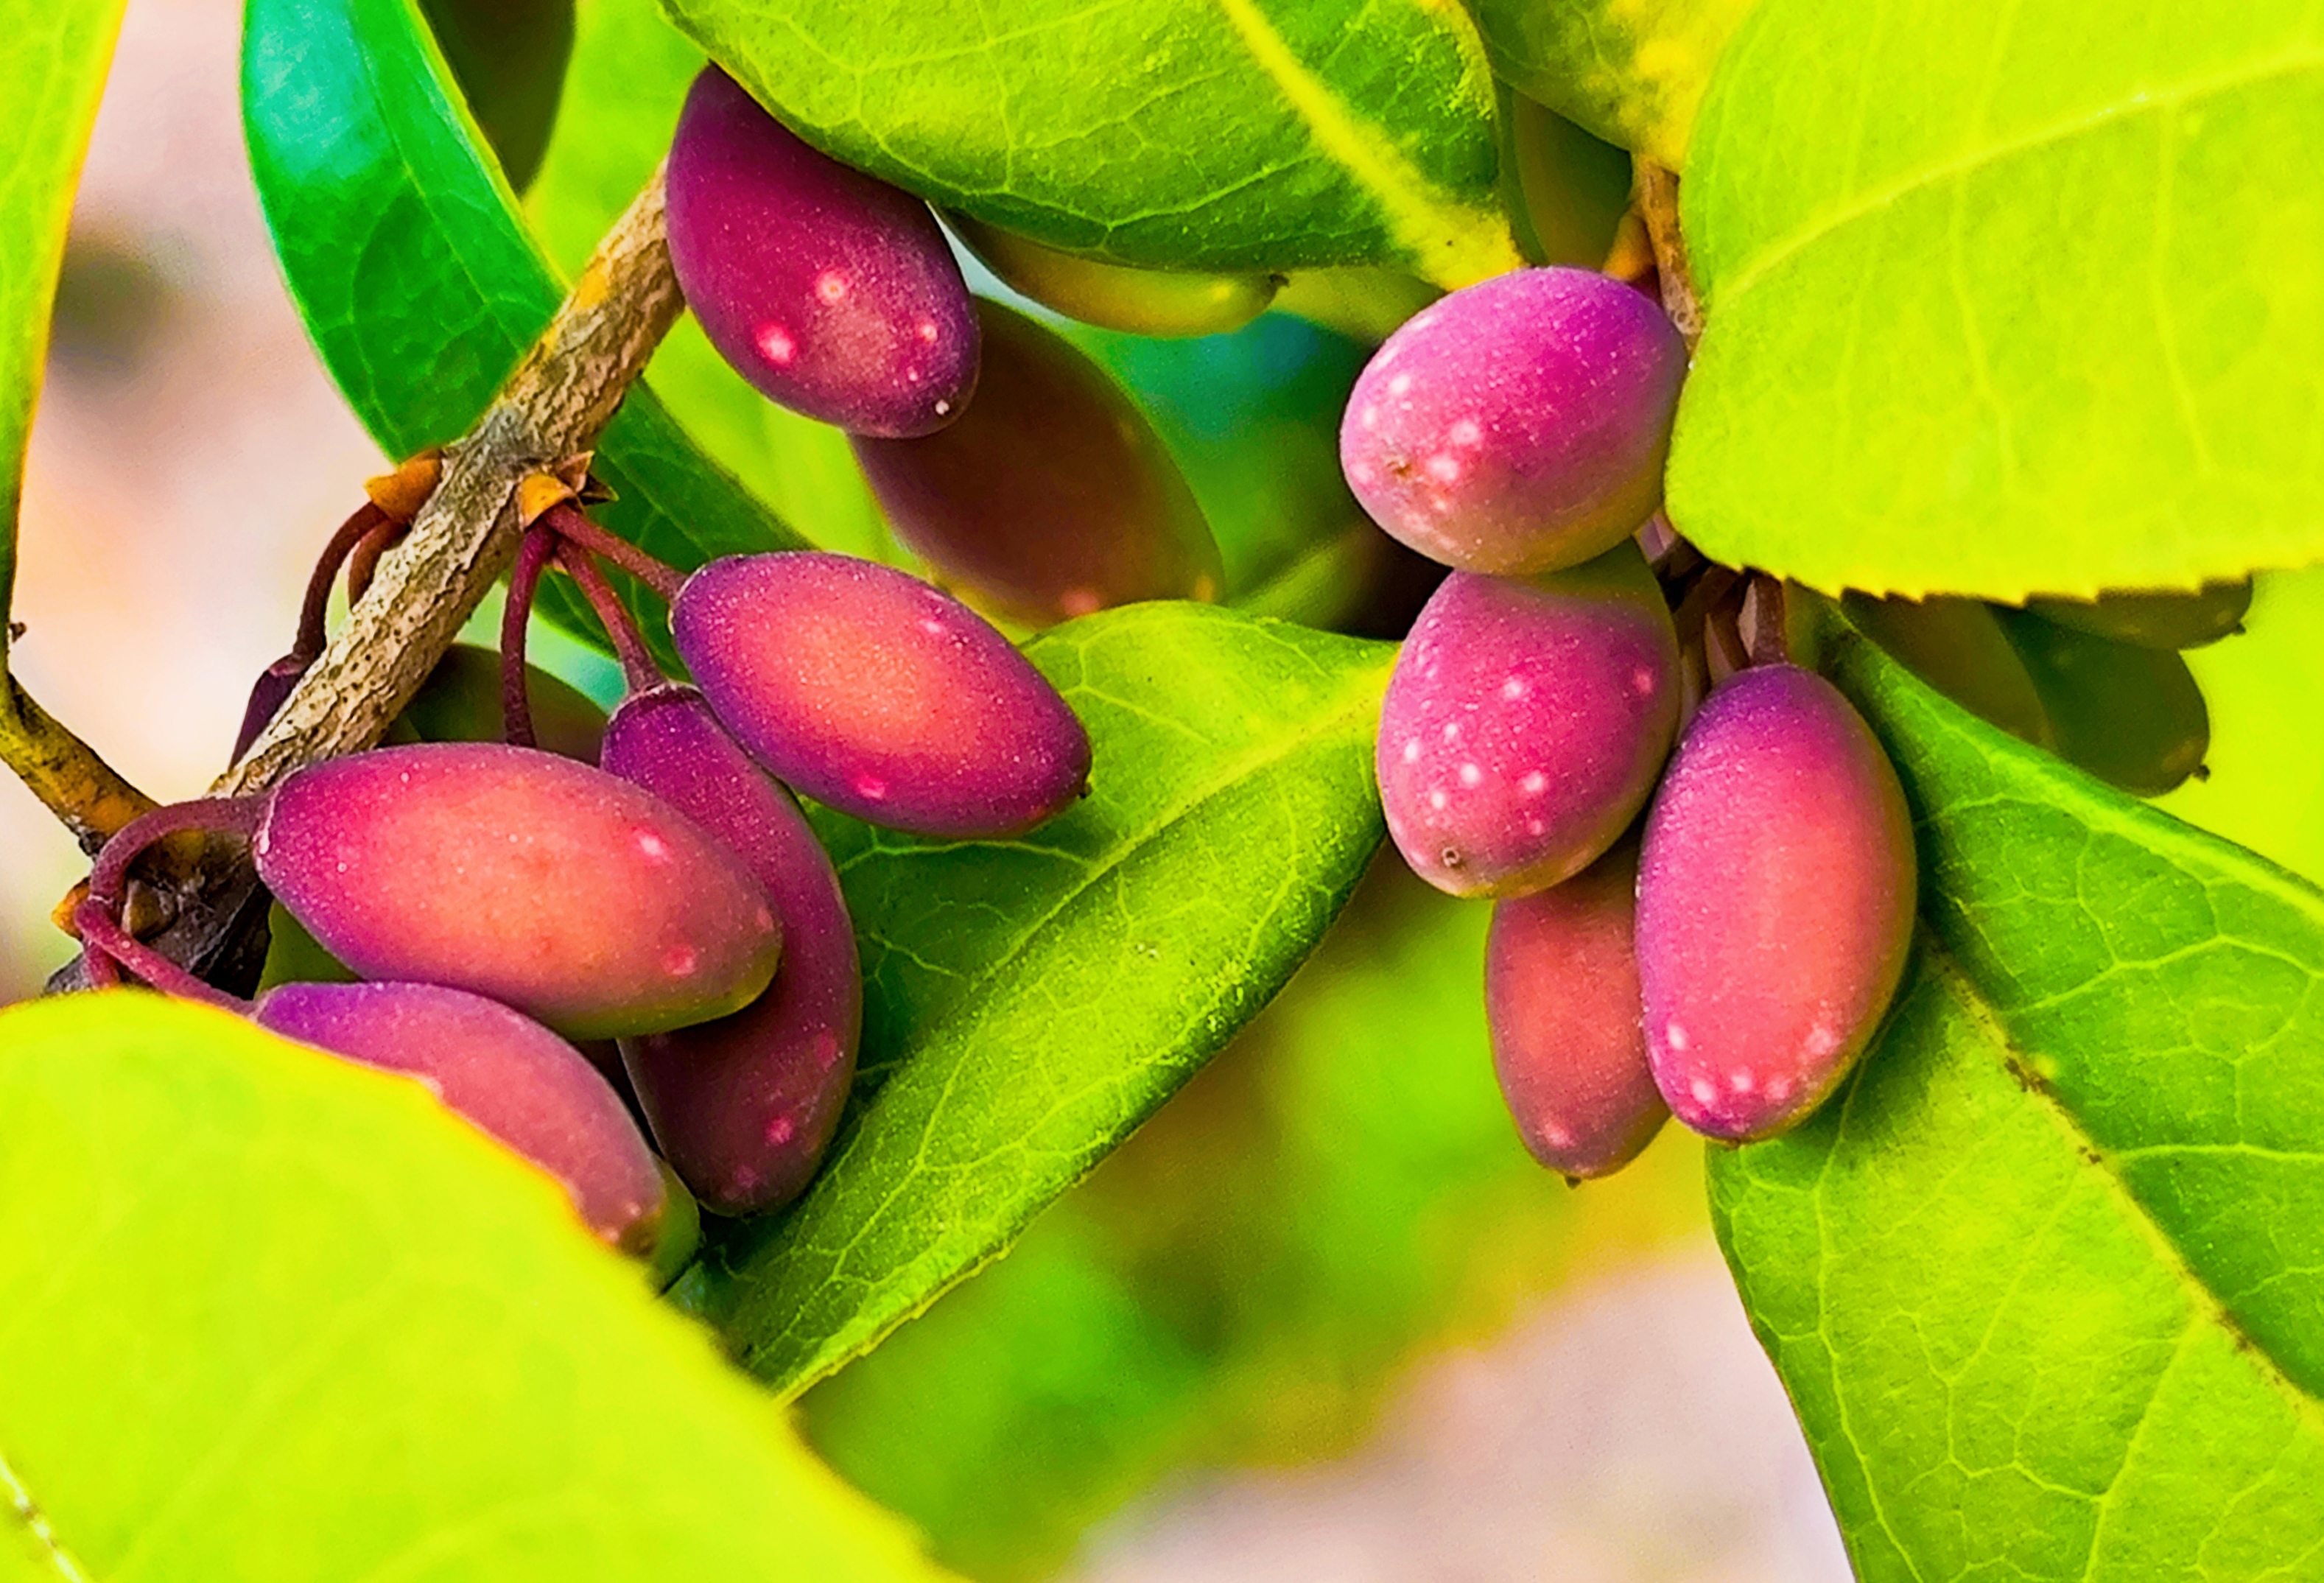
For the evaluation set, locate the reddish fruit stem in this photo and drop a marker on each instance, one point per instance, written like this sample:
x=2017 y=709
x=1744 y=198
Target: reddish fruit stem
x=524 y=581
x=565 y=521
x=364 y=564
x=638 y=666
x=108 y=881
x=367 y=520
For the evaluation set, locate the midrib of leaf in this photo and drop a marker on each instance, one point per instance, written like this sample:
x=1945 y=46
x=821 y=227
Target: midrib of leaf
x=36 y=1522
x=1482 y=246
x=1237 y=770
x=968 y=1007
x=2307 y=59
x=1963 y=991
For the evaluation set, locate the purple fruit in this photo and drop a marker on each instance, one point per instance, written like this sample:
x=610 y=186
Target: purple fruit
x=1052 y=496
x=831 y=291
x=513 y=1078
x=744 y=1107
x=1776 y=901
x=1561 y=1002
x=869 y=691
x=1520 y=424
x=1525 y=724
x=544 y=884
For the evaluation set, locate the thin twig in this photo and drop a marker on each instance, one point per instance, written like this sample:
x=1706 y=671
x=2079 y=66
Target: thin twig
x=550 y=410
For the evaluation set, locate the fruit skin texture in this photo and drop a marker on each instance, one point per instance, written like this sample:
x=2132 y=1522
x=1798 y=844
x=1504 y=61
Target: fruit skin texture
x=1775 y=898
x=1525 y=724
x=1052 y=497
x=1520 y=424
x=546 y=885
x=1562 y=1003
x=744 y=1107
x=869 y=691
x=830 y=290
x=506 y=1073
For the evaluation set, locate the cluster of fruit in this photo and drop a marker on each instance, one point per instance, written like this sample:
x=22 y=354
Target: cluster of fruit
x=1727 y=962
x=497 y=901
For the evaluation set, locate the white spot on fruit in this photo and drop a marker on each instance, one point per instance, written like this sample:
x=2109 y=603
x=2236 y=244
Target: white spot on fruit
x=927 y=330
x=1443 y=469
x=1412 y=750
x=679 y=962
x=1643 y=681
x=779 y=1130
x=1471 y=775
x=831 y=287
x=871 y=787
x=1702 y=1090
x=1675 y=1036
x=652 y=847
x=1466 y=432
x=1823 y=1039
x=1535 y=784
x=1436 y=801
x=1368 y=417
x=1451 y=731
x=1399 y=384
x=776 y=344
x=1741 y=1082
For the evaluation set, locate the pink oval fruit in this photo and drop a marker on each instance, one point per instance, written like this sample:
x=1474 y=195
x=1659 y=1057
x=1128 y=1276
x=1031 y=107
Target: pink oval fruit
x=745 y=1105
x=546 y=885
x=830 y=290
x=1775 y=900
x=506 y=1073
x=1052 y=496
x=1520 y=424
x=872 y=692
x=1525 y=724
x=1562 y=1003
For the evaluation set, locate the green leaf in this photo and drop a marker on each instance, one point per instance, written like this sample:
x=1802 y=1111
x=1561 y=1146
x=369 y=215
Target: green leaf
x=404 y=252
x=1027 y=1003
x=1244 y=1280
x=2046 y=1280
x=53 y=62
x=1225 y=134
x=628 y=76
x=267 y=1315
x=2265 y=688
x=1632 y=71
x=1999 y=306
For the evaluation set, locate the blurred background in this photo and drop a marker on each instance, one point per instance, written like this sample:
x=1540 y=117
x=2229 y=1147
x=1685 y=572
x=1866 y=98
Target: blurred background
x=1323 y=1319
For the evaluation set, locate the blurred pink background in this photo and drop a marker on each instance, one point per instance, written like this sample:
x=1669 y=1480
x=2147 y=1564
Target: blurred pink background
x=190 y=456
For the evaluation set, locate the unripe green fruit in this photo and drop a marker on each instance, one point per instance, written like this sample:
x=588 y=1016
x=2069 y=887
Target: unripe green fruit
x=1958 y=647
x=2129 y=714
x=1775 y=898
x=1570 y=188
x=1142 y=302
x=2155 y=621
x=1561 y=1002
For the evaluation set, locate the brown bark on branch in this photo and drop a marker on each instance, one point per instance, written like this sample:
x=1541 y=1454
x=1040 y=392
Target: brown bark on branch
x=549 y=413
x=1655 y=194
x=81 y=788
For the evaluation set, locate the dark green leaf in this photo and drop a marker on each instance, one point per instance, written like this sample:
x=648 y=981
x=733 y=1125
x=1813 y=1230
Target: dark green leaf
x=1029 y=1002
x=1998 y=296
x=2047 y=1278
x=1228 y=134
x=403 y=250
x=266 y=1315
x=53 y=61
x=1632 y=71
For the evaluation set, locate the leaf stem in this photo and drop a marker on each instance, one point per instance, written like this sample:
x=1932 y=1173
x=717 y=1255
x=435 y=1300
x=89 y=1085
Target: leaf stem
x=1655 y=194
